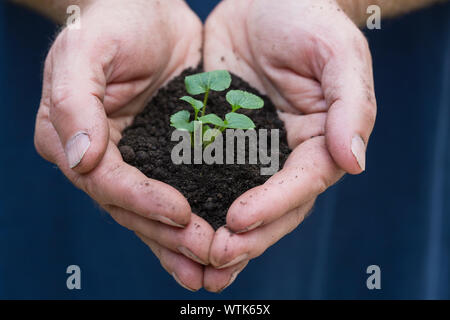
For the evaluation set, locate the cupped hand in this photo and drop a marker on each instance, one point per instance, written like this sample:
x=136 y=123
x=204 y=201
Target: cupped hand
x=96 y=79
x=315 y=65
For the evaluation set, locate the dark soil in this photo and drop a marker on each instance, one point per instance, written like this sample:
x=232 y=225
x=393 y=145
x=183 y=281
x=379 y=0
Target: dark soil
x=210 y=189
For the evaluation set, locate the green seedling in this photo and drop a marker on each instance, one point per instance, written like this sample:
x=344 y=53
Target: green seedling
x=203 y=83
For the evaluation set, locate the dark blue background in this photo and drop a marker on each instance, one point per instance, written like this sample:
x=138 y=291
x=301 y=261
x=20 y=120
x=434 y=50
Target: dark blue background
x=396 y=215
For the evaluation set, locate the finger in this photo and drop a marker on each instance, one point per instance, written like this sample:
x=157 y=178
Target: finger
x=217 y=280
x=113 y=182
x=77 y=87
x=46 y=140
x=308 y=172
x=300 y=128
x=349 y=91
x=193 y=241
x=228 y=249
x=186 y=272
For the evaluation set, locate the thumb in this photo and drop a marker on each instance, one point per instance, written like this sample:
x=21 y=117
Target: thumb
x=77 y=88
x=349 y=91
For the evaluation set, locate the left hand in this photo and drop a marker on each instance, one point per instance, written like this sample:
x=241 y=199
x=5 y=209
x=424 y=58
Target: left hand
x=316 y=67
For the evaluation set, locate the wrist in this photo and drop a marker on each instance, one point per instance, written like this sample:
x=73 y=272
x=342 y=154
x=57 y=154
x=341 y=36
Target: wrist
x=56 y=10
x=355 y=10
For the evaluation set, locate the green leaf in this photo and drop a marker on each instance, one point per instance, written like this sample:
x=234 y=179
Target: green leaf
x=245 y=100
x=187 y=126
x=196 y=104
x=180 y=121
x=212 y=119
x=238 y=121
x=180 y=116
x=218 y=80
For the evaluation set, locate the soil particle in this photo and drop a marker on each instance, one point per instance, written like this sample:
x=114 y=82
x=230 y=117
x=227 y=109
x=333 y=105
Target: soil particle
x=127 y=153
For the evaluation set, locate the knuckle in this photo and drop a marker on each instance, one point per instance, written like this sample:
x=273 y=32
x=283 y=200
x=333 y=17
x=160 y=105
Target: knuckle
x=41 y=140
x=121 y=218
x=62 y=41
x=48 y=62
x=103 y=176
x=60 y=96
x=297 y=218
x=369 y=111
x=158 y=234
x=364 y=43
x=360 y=38
x=117 y=216
x=79 y=182
x=87 y=185
x=353 y=40
x=158 y=252
x=322 y=184
x=38 y=144
x=360 y=46
x=324 y=46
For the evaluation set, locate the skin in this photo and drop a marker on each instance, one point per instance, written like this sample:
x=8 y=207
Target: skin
x=96 y=80
x=318 y=74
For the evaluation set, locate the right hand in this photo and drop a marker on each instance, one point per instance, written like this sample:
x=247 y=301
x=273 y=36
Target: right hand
x=96 y=79
x=319 y=76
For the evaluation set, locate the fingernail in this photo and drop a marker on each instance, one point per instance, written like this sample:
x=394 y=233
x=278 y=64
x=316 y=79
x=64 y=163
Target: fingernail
x=166 y=220
x=188 y=253
x=236 y=260
x=251 y=227
x=232 y=278
x=76 y=147
x=359 y=151
x=174 y=275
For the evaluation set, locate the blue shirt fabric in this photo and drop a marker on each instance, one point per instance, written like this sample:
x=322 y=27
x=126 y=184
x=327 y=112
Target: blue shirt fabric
x=396 y=215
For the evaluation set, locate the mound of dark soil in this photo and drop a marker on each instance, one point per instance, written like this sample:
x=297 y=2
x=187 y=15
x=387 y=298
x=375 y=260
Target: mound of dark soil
x=210 y=189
